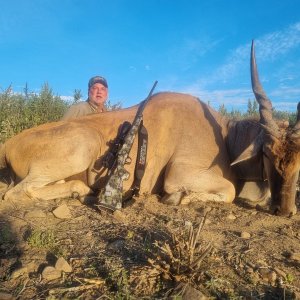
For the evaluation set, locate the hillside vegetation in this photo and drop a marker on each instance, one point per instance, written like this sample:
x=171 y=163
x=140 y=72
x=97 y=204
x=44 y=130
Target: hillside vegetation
x=25 y=110
x=19 y=111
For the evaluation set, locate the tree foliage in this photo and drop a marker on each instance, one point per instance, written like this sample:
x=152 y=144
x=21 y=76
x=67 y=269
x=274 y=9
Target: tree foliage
x=22 y=111
x=252 y=108
x=77 y=96
x=253 y=112
x=19 y=111
x=110 y=106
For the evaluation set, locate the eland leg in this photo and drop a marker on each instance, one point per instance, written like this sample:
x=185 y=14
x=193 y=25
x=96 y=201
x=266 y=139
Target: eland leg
x=44 y=188
x=206 y=185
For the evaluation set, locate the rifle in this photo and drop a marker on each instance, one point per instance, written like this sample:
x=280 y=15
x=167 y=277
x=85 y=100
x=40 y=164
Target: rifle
x=111 y=196
x=110 y=157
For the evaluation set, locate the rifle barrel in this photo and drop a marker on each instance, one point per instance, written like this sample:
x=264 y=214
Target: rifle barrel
x=143 y=104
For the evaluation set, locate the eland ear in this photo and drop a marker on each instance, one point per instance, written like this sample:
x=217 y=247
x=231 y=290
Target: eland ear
x=251 y=151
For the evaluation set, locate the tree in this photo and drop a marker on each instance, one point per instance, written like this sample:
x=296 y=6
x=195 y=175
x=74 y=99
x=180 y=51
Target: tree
x=222 y=110
x=109 y=106
x=77 y=96
x=235 y=114
x=252 y=109
x=26 y=91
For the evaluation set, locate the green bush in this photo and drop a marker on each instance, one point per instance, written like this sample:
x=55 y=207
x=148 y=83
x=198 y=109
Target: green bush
x=22 y=111
x=252 y=112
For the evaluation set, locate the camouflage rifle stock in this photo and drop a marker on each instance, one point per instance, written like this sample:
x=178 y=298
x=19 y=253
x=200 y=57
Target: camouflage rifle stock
x=111 y=196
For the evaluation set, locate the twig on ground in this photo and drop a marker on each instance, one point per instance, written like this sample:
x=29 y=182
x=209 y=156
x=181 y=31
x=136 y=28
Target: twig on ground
x=95 y=281
x=23 y=288
x=71 y=289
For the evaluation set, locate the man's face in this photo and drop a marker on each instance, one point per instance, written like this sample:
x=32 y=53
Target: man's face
x=98 y=94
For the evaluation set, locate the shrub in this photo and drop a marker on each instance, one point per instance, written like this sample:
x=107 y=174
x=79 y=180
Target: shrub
x=22 y=111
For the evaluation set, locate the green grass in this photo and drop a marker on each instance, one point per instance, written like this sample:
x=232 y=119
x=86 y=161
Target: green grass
x=46 y=239
x=42 y=239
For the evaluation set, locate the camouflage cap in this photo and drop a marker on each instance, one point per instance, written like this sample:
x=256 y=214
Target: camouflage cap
x=97 y=79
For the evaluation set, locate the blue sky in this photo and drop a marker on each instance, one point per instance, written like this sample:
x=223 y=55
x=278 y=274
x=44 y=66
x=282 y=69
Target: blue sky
x=201 y=47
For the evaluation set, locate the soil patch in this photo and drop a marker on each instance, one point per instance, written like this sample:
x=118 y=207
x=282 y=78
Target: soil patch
x=147 y=251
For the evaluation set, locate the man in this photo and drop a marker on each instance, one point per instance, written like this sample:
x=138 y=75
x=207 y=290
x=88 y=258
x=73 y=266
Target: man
x=97 y=95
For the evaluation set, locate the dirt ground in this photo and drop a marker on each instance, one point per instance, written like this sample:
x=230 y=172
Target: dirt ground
x=147 y=251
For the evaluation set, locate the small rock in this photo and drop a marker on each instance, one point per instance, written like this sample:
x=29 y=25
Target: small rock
x=120 y=216
x=62 y=265
x=189 y=293
x=116 y=245
x=261 y=264
x=32 y=267
x=268 y=275
x=263 y=272
x=207 y=221
x=5 y=296
x=89 y=234
x=185 y=201
x=62 y=212
x=280 y=272
x=272 y=277
x=295 y=256
x=79 y=218
x=50 y=273
x=19 y=272
x=231 y=217
x=188 y=224
x=245 y=235
x=254 y=278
